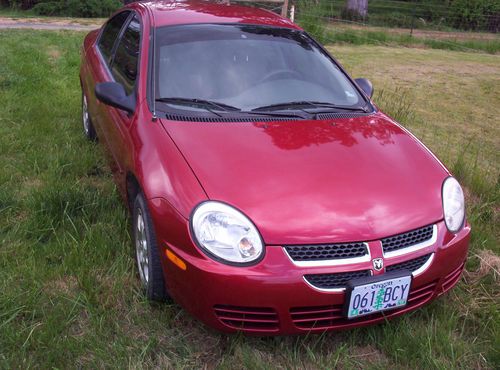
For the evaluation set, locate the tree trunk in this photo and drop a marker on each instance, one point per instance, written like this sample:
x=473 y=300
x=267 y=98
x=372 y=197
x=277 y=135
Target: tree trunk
x=357 y=7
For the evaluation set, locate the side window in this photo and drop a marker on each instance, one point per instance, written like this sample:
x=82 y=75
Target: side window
x=110 y=34
x=124 y=67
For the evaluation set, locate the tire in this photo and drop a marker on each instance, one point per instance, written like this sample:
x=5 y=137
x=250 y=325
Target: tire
x=88 y=127
x=146 y=252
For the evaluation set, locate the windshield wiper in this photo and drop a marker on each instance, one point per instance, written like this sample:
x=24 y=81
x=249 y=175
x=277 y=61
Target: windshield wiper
x=212 y=106
x=200 y=102
x=302 y=105
x=276 y=114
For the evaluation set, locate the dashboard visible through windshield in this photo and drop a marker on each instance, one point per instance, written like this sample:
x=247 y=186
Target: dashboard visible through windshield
x=247 y=68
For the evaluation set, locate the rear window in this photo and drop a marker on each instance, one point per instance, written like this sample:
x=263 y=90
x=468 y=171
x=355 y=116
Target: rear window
x=110 y=34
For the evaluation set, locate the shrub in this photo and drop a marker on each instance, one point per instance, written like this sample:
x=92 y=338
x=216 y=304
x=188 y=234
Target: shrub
x=393 y=19
x=19 y=4
x=475 y=14
x=77 y=8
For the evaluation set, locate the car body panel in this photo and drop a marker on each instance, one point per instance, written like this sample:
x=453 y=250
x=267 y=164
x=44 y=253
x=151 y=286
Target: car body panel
x=352 y=179
x=139 y=150
x=169 y=13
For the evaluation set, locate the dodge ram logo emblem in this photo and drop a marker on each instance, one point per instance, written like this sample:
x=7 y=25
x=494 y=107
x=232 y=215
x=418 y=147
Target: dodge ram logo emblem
x=378 y=264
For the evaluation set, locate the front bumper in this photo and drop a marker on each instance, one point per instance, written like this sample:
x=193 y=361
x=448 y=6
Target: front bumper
x=272 y=297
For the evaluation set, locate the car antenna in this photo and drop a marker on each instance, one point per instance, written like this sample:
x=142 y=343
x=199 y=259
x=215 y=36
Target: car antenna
x=155 y=117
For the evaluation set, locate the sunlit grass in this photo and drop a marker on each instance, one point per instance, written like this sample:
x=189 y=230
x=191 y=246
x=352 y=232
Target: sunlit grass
x=69 y=295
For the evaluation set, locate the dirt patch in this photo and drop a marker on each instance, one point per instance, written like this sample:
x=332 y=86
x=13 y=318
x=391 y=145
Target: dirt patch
x=66 y=285
x=489 y=262
x=80 y=325
x=54 y=21
x=54 y=54
x=369 y=353
x=429 y=70
x=34 y=23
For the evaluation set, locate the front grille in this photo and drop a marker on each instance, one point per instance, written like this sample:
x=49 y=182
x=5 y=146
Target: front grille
x=411 y=265
x=326 y=251
x=331 y=317
x=334 y=281
x=248 y=318
x=407 y=239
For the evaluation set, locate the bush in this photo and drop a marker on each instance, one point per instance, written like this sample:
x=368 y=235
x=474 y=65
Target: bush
x=393 y=19
x=475 y=15
x=18 y=4
x=77 y=8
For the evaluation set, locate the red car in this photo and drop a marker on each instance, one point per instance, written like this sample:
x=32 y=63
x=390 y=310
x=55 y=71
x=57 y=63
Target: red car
x=268 y=194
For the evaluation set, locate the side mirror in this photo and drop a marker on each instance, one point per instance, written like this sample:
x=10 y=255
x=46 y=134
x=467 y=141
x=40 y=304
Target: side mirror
x=365 y=85
x=113 y=94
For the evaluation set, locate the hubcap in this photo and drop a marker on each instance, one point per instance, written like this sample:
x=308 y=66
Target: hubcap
x=141 y=247
x=85 y=115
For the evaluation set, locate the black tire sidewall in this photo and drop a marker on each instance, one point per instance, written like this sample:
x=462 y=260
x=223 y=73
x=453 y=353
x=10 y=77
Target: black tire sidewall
x=155 y=287
x=91 y=134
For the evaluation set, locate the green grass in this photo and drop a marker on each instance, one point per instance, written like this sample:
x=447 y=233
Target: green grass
x=384 y=37
x=69 y=295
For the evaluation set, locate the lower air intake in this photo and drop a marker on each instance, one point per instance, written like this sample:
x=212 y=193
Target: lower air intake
x=248 y=318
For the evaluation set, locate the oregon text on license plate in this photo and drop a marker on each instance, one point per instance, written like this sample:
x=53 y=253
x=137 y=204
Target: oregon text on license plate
x=370 y=297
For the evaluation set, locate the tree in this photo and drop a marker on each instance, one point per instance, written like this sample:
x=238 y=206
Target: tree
x=355 y=9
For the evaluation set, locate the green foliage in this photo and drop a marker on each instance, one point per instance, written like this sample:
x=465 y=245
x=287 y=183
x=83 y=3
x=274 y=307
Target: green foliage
x=77 y=8
x=312 y=20
x=475 y=14
x=18 y=4
x=459 y=14
x=393 y=19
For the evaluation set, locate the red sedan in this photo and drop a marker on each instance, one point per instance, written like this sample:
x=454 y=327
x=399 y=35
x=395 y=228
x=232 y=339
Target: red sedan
x=268 y=193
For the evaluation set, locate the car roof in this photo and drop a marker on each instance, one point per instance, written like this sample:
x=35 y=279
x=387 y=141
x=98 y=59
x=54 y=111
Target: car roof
x=174 y=12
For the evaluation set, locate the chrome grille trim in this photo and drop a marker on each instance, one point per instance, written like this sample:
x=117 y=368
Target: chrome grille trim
x=328 y=290
x=413 y=248
x=424 y=267
x=334 y=262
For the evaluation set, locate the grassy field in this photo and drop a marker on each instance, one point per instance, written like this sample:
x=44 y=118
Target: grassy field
x=339 y=32
x=30 y=16
x=69 y=295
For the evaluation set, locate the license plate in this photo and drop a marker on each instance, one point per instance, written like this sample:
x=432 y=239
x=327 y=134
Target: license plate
x=375 y=294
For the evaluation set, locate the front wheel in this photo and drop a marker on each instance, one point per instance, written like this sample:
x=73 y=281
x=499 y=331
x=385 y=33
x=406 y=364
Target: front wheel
x=88 y=127
x=146 y=251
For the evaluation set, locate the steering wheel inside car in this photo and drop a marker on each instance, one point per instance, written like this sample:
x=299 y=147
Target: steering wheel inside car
x=279 y=74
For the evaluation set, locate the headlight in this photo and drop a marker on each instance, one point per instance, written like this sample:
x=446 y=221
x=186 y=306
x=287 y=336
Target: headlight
x=226 y=233
x=453 y=204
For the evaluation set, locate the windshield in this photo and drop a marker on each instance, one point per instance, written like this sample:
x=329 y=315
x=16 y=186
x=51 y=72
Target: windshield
x=247 y=67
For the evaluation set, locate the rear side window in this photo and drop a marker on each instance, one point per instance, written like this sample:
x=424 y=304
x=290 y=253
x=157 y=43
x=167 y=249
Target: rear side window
x=124 y=67
x=110 y=34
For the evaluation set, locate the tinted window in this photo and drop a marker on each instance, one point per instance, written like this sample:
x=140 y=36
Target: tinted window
x=124 y=66
x=110 y=34
x=248 y=66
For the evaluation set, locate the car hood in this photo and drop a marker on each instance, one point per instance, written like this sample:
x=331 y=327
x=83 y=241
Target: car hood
x=318 y=181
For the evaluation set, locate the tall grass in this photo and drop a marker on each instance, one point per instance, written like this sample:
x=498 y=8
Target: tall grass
x=69 y=294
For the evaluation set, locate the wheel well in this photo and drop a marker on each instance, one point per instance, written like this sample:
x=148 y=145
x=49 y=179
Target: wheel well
x=133 y=188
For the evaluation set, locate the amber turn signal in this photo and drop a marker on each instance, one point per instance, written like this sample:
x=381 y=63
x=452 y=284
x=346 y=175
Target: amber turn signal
x=176 y=260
